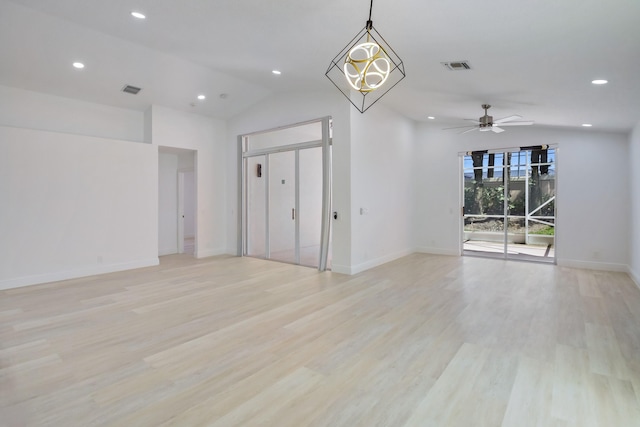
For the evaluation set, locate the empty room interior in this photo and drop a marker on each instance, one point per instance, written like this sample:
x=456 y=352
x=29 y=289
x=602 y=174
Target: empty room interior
x=236 y=213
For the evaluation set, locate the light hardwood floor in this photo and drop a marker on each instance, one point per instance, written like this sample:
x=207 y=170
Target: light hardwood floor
x=422 y=341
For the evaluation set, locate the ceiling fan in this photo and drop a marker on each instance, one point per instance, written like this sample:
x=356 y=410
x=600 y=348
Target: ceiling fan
x=486 y=122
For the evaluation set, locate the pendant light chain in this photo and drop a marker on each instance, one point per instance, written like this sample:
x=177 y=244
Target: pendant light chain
x=370 y=22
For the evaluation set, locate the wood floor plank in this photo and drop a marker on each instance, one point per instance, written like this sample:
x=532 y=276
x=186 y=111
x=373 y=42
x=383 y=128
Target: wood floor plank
x=530 y=399
x=605 y=357
x=450 y=400
x=571 y=388
x=425 y=340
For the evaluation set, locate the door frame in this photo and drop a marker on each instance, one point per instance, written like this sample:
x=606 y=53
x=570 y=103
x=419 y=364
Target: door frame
x=181 y=208
x=180 y=212
x=325 y=143
x=504 y=151
x=178 y=244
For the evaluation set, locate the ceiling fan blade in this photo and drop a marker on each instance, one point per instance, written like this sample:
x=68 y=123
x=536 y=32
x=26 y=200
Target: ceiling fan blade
x=469 y=130
x=507 y=119
x=515 y=123
x=496 y=129
x=459 y=127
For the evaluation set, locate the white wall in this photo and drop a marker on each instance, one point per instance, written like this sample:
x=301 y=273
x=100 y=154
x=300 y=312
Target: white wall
x=59 y=224
x=372 y=169
x=206 y=136
x=285 y=110
x=382 y=145
x=33 y=110
x=437 y=191
x=634 y=179
x=74 y=205
x=593 y=209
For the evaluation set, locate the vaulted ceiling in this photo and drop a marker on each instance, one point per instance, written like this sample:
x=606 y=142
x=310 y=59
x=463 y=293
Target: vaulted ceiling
x=532 y=58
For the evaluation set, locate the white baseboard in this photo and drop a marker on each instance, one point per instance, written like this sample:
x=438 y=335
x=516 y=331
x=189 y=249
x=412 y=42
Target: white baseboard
x=438 y=251
x=342 y=269
x=56 y=276
x=167 y=251
x=355 y=269
x=591 y=265
x=205 y=253
x=634 y=276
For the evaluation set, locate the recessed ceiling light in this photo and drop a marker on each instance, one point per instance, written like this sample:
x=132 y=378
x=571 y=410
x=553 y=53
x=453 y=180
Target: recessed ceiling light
x=431 y=118
x=276 y=72
x=201 y=97
x=587 y=125
x=599 y=82
x=78 y=65
x=138 y=15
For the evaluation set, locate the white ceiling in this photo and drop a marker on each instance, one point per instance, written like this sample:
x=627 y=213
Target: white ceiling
x=535 y=58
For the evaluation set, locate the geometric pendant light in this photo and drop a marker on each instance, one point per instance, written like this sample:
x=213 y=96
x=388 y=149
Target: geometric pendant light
x=367 y=68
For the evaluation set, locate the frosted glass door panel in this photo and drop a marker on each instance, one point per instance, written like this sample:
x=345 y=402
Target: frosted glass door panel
x=310 y=217
x=282 y=204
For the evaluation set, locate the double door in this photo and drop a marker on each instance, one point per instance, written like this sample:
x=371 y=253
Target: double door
x=509 y=203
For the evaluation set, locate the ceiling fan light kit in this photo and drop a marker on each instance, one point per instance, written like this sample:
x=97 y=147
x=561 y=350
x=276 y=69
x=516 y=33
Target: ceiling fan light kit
x=486 y=123
x=367 y=68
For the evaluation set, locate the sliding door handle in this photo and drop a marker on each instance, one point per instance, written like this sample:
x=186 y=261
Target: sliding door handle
x=293 y=213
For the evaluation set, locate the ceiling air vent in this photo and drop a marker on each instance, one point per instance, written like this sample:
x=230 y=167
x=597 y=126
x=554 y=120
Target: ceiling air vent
x=131 y=89
x=457 y=65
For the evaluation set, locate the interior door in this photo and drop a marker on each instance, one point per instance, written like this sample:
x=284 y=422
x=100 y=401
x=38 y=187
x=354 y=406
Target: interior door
x=181 y=231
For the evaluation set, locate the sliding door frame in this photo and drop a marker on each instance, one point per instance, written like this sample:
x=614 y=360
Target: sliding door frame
x=506 y=181
x=242 y=217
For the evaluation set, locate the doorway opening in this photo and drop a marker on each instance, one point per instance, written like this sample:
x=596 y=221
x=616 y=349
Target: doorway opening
x=186 y=211
x=509 y=203
x=177 y=201
x=286 y=194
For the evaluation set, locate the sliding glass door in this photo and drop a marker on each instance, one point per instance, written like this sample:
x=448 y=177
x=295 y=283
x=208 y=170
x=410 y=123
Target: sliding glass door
x=509 y=203
x=286 y=195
